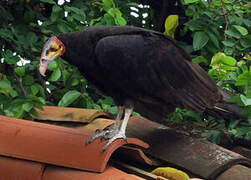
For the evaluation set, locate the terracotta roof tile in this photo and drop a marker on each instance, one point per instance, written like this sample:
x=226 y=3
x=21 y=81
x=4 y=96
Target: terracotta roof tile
x=236 y=172
x=55 y=145
x=17 y=169
x=55 y=113
x=110 y=173
x=25 y=142
x=198 y=156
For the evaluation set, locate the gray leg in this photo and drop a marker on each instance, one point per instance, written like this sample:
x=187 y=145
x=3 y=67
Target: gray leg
x=121 y=133
x=107 y=134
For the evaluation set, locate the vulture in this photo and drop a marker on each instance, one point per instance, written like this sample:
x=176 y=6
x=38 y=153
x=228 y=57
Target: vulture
x=138 y=66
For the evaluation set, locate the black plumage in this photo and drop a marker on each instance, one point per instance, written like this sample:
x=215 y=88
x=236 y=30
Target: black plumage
x=141 y=65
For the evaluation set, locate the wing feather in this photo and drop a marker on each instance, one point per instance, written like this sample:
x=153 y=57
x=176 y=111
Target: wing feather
x=153 y=67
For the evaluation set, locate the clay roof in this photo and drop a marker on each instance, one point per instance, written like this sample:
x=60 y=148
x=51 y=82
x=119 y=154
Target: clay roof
x=41 y=151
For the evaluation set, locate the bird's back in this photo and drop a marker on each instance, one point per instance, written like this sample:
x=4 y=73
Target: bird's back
x=130 y=62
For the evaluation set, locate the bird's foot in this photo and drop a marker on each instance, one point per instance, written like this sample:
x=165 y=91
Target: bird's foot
x=112 y=135
x=100 y=133
x=118 y=135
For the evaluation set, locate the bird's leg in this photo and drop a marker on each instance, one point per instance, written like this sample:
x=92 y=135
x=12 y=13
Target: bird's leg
x=115 y=127
x=121 y=133
x=106 y=134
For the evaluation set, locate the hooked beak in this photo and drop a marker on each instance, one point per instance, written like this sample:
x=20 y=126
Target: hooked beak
x=43 y=66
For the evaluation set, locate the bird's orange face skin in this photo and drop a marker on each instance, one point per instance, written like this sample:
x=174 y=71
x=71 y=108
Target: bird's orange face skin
x=52 y=49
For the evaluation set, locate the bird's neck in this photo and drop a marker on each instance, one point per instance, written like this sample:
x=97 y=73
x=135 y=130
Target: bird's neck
x=77 y=47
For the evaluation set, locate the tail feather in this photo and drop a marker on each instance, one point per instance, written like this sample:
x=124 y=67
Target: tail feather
x=227 y=110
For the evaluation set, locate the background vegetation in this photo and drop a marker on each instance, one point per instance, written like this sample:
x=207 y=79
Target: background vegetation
x=215 y=32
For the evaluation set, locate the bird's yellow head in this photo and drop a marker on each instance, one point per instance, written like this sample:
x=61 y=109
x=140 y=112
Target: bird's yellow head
x=52 y=49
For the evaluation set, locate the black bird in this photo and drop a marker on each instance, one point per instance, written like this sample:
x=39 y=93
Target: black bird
x=134 y=65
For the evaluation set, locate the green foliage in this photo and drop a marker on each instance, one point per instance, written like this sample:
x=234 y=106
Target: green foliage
x=69 y=98
x=221 y=34
x=112 y=15
x=213 y=135
x=25 y=26
x=220 y=26
x=200 y=39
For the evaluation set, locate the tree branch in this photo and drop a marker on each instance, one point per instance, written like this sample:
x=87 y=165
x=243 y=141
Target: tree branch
x=20 y=83
x=226 y=19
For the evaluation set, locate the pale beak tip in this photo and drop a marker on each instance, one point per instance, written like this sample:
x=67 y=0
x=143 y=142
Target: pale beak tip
x=42 y=70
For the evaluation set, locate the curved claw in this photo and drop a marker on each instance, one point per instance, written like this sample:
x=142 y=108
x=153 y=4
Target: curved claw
x=104 y=134
x=117 y=136
x=101 y=133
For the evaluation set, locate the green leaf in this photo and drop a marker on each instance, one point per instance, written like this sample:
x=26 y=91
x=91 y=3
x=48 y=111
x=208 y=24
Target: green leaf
x=107 y=100
x=190 y=1
x=228 y=68
x=246 y=43
x=244 y=79
x=239 y=47
x=65 y=75
x=121 y=21
x=216 y=59
x=242 y=131
x=42 y=100
x=200 y=59
x=105 y=106
x=77 y=13
x=63 y=28
x=69 y=98
x=228 y=51
x=34 y=113
x=13 y=93
x=108 y=3
x=48 y=1
x=233 y=33
x=77 y=17
x=75 y=82
x=6 y=34
x=241 y=29
x=246 y=101
x=28 y=80
x=55 y=75
x=228 y=60
x=114 y=12
x=214 y=39
x=28 y=106
x=200 y=39
x=109 y=19
x=195 y=25
x=213 y=135
x=229 y=42
x=171 y=23
x=113 y=110
x=20 y=71
x=31 y=37
x=56 y=13
x=247 y=22
x=5 y=85
x=9 y=58
x=35 y=89
x=18 y=111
